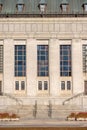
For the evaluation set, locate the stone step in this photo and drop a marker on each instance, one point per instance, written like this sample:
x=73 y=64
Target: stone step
x=42 y=111
x=65 y=107
x=42 y=114
x=42 y=107
x=24 y=114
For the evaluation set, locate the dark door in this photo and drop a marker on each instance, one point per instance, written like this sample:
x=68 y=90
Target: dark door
x=85 y=87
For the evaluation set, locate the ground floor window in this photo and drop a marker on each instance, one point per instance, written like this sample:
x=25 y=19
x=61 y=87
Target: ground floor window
x=45 y=85
x=0 y=87
x=85 y=87
x=42 y=85
x=66 y=85
x=19 y=85
x=39 y=85
x=22 y=85
x=62 y=85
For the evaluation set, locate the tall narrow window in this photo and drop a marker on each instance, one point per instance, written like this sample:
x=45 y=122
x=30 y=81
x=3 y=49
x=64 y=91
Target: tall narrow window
x=16 y=85
x=39 y=85
x=42 y=60
x=85 y=58
x=22 y=85
x=0 y=87
x=1 y=58
x=45 y=85
x=68 y=85
x=65 y=60
x=20 y=60
x=62 y=85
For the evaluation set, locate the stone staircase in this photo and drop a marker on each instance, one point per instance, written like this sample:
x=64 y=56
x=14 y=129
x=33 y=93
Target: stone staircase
x=26 y=112
x=59 y=112
x=42 y=111
x=39 y=109
x=62 y=111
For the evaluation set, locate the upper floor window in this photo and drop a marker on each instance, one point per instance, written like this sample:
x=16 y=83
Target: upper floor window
x=84 y=58
x=65 y=60
x=42 y=60
x=20 y=6
x=1 y=58
x=20 y=60
x=64 y=6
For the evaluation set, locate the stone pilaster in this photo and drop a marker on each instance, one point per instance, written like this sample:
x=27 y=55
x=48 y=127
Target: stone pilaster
x=31 y=67
x=54 y=66
x=77 y=69
x=8 y=66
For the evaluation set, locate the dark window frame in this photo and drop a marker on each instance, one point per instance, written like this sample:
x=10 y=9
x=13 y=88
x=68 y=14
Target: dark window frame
x=42 y=60
x=65 y=69
x=20 y=60
x=62 y=85
x=16 y=85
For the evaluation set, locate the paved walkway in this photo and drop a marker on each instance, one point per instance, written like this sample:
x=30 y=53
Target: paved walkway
x=43 y=123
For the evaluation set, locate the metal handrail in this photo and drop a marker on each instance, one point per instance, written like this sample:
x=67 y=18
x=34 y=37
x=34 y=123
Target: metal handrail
x=74 y=96
x=20 y=103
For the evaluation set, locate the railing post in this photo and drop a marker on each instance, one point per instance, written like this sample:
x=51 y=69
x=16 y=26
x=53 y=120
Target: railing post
x=50 y=110
x=35 y=109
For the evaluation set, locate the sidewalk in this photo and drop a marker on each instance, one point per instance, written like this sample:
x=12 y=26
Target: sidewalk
x=43 y=123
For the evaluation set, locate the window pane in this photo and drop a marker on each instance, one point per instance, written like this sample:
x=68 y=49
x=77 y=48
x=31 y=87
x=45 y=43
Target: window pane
x=68 y=85
x=0 y=87
x=84 y=48
x=16 y=85
x=45 y=85
x=20 y=60
x=22 y=85
x=39 y=85
x=42 y=60
x=65 y=60
x=1 y=58
x=62 y=85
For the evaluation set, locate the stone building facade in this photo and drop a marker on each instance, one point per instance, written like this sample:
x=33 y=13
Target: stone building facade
x=43 y=58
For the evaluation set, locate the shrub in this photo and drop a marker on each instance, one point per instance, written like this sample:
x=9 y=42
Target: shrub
x=7 y=115
x=81 y=115
x=78 y=115
x=72 y=115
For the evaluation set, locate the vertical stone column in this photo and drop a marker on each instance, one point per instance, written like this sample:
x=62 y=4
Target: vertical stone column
x=77 y=69
x=31 y=67
x=8 y=68
x=54 y=67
